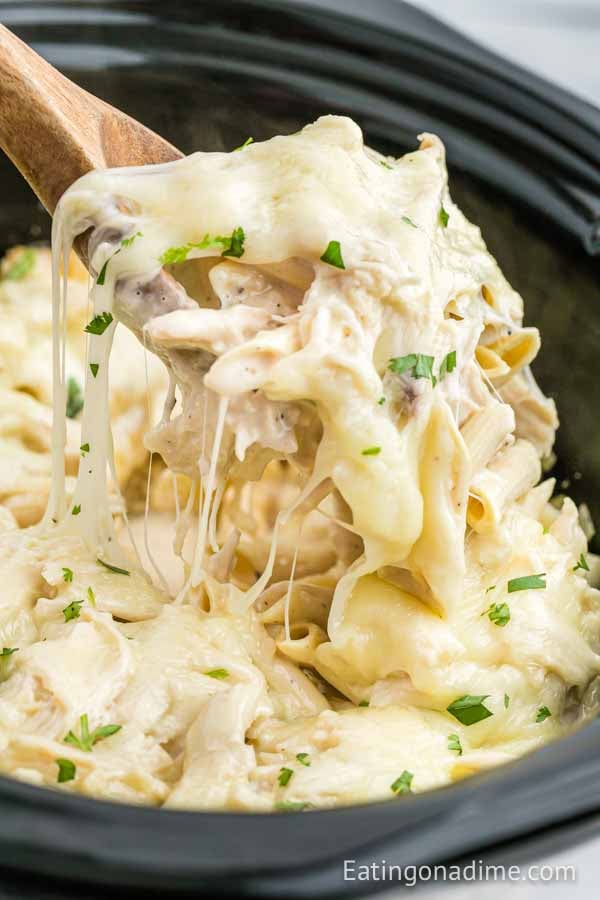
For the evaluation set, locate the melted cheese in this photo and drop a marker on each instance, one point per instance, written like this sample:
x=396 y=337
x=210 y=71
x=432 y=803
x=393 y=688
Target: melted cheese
x=357 y=520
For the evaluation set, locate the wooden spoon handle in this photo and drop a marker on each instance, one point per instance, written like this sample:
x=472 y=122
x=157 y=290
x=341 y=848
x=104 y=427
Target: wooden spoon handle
x=54 y=131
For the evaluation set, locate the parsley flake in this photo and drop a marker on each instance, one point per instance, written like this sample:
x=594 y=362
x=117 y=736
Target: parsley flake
x=403 y=784
x=85 y=448
x=371 y=451
x=408 y=221
x=99 y=323
x=219 y=674
x=112 y=568
x=499 y=614
x=443 y=217
x=94 y=368
x=582 y=563
x=66 y=770
x=333 y=255
x=91 y=597
x=127 y=242
x=419 y=365
x=73 y=610
x=76 y=510
x=21 y=266
x=381 y=401
x=67 y=574
x=8 y=651
x=230 y=245
x=291 y=806
x=87 y=739
x=284 y=776
x=448 y=365
x=527 y=583
x=364 y=703
x=506 y=701
x=74 y=398
x=385 y=164
x=454 y=744
x=469 y=709
x=249 y=140
x=303 y=759
x=543 y=713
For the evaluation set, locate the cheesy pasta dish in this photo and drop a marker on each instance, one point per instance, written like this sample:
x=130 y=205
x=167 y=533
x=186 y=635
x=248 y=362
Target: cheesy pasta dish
x=274 y=529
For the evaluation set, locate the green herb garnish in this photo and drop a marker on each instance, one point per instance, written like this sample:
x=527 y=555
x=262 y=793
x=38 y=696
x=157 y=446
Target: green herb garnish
x=454 y=744
x=112 y=568
x=219 y=674
x=232 y=245
x=91 y=597
x=85 y=448
x=527 y=583
x=67 y=574
x=249 y=140
x=371 y=451
x=469 y=709
x=506 y=701
x=284 y=776
x=99 y=323
x=582 y=563
x=21 y=266
x=364 y=703
x=543 y=713
x=303 y=759
x=443 y=217
x=94 y=368
x=87 y=739
x=127 y=242
x=76 y=510
x=385 y=164
x=8 y=651
x=381 y=401
x=73 y=610
x=66 y=770
x=291 y=806
x=74 y=398
x=499 y=614
x=448 y=365
x=408 y=221
x=403 y=784
x=333 y=255
x=419 y=365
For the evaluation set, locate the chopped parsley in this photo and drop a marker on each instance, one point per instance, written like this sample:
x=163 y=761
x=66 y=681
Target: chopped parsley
x=67 y=574
x=66 y=770
x=102 y=274
x=87 y=739
x=333 y=255
x=73 y=610
x=582 y=563
x=371 y=451
x=112 y=568
x=85 y=448
x=527 y=583
x=454 y=744
x=127 y=242
x=364 y=703
x=419 y=365
x=219 y=674
x=230 y=245
x=99 y=323
x=21 y=266
x=284 y=776
x=291 y=806
x=303 y=759
x=91 y=597
x=506 y=701
x=469 y=709
x=408 y=221
x=385 y=164
x=443 y=217
x=76 y=510
x=448 y=365
x=8 y=651
x=403 y=784
x=499 y=614
x=94 y=368
x=74 y=398
x=492 y=587
x=543 y=713
x=381 y=401
x=249 y=140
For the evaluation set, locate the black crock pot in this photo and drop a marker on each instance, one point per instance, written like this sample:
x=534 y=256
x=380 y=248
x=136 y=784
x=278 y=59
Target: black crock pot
x=524 y=162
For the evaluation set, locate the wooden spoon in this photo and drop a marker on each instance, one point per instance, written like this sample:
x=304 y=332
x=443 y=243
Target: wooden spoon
x=54 y=131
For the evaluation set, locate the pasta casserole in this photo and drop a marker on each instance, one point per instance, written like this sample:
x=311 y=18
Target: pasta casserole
x=345 y=577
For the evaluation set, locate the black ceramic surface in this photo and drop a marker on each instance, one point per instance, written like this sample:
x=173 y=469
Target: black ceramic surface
x=524 y=162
